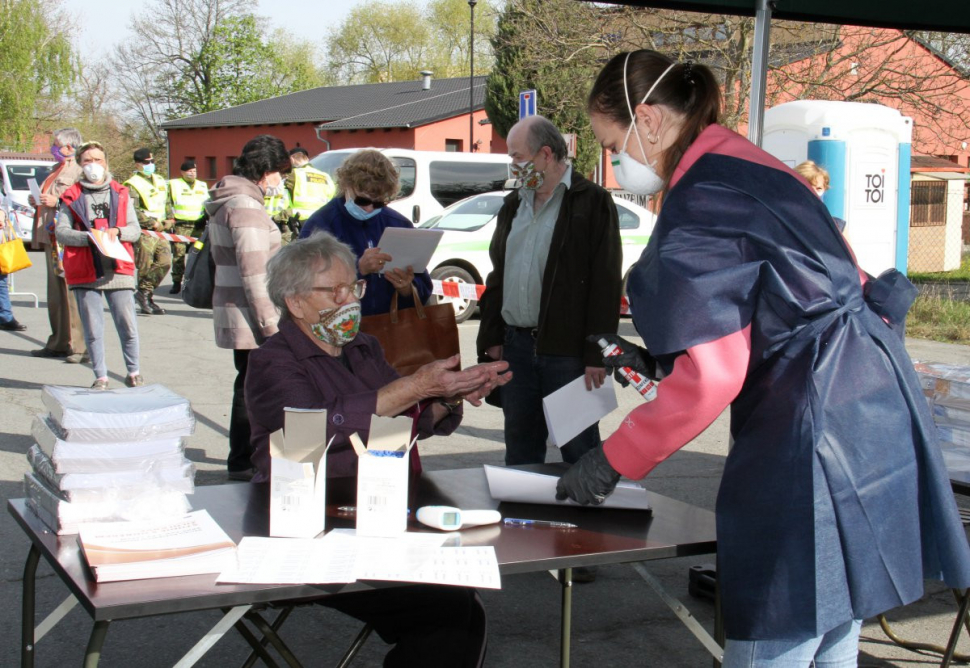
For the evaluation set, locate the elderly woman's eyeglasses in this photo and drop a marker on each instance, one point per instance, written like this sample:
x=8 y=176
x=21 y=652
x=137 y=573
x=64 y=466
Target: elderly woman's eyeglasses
x=342 y=291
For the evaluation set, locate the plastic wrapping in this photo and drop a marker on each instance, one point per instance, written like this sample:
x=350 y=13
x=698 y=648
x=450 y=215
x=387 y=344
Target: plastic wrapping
x=175 y=473
x=115 y=504
x=120 y=415
x=90 y=457
x=945 y=381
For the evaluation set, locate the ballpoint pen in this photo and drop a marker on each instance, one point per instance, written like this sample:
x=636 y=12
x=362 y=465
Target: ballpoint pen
x=516 y=522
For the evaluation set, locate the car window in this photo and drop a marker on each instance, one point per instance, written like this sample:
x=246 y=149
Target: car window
x=408 y=171
x=452 y=181
x=628 y=219
x=20 y=174
x=329 y=162
x=471 y=215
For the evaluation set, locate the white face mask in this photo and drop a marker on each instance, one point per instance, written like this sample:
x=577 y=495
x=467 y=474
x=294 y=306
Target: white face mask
x=631 y=174
x=93 y=172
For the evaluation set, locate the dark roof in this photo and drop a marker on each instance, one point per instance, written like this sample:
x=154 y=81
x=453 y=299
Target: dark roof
x=400 y=104
x=930 y=163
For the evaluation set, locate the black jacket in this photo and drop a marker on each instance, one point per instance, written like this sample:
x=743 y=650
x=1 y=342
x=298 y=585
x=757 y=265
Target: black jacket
x=581 y=285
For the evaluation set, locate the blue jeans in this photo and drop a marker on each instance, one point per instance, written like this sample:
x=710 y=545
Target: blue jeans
x=839 y=648
x=6 y=314
x=122 y=307
x=533 y=377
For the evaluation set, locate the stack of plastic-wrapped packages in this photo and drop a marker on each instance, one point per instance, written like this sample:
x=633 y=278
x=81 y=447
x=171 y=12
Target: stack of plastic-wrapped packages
x=109 y=455
x=947 y=387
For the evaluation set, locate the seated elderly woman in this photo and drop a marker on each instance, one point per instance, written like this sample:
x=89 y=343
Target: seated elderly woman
x=318 y=360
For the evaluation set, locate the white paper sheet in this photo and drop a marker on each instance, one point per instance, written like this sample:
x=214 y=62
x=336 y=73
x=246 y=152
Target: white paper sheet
x=290 y=561
x=341 y=557
x=572 y=408
x=409 y=247
x=420 y=557
x=34 y=190
x=110 y=247
x=517 y=486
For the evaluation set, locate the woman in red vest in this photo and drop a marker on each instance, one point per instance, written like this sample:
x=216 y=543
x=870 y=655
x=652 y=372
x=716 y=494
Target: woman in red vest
x=100 y=205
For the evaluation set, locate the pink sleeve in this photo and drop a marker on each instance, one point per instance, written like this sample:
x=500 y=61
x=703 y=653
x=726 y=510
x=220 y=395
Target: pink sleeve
x=704 y=381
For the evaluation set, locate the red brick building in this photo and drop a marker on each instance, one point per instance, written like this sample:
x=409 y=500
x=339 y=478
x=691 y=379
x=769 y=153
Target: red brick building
x=426 y=115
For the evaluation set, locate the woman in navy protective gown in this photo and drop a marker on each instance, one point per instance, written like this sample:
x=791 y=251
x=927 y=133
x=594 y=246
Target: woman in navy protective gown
x=834 y=503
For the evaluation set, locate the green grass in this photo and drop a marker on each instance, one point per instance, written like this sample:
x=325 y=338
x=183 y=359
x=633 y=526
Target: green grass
x=962 y=274
x=939 y=319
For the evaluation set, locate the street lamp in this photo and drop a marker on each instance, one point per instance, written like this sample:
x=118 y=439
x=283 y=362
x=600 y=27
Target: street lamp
x=471 y=80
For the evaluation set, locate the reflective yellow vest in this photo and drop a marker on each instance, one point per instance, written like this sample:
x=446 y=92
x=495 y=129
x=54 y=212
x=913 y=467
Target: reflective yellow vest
x=276 y=203
x=188 y=200
x=152 y=191
x=311 y=190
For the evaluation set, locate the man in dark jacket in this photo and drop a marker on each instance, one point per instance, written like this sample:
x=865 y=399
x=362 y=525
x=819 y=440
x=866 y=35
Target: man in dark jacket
x=555 y=280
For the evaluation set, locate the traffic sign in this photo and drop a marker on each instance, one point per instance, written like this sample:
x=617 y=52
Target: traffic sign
x=527 y=103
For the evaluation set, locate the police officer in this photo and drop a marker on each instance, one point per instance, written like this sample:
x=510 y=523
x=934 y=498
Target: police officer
x=149 y=194
x=276 y=201
x=186 y=196
x=308 y=187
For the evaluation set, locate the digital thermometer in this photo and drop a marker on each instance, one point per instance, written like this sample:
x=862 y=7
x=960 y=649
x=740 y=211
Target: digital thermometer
x=449 y=518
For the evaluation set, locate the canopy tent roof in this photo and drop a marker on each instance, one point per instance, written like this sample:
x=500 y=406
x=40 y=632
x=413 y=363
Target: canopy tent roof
x=938 y=15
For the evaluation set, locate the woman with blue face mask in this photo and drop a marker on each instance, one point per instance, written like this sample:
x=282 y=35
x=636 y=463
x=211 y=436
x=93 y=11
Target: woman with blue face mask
x=834 y=503
x=368 y=180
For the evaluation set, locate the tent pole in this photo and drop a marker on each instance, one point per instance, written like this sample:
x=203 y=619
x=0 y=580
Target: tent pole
x=759 y=70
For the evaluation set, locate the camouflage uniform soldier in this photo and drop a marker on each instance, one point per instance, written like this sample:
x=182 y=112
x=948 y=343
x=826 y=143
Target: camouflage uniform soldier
x=187 y=197
x=153 y=256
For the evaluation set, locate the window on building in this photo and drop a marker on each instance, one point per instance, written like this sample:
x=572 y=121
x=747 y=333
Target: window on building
x=230 y=163
x=210 y=163
x=453 y=145
x=928 y=204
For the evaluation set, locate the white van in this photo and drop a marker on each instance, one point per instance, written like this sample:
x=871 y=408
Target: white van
x=432 y=180
x=14 y=175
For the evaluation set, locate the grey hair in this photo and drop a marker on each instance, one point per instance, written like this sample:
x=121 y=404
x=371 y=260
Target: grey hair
x=67 y=137
x=541 y=132
x=291 y=272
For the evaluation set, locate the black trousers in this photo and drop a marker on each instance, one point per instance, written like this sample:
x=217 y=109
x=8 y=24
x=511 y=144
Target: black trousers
x=430 y=626
x=240 y=446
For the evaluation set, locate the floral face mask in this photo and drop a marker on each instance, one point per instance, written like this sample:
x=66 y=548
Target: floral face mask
x=339 y=326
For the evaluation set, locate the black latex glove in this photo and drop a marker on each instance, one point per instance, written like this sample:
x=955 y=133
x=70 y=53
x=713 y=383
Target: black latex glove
x=588 y=481
x=633 y=357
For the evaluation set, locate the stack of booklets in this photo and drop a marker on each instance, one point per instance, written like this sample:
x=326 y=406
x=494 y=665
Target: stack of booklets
x=947 y=388
x=191 y=544
x=109 y=455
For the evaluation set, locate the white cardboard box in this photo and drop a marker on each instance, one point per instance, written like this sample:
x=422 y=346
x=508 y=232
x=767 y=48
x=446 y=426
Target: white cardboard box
x=383 y=470
x=298 y=475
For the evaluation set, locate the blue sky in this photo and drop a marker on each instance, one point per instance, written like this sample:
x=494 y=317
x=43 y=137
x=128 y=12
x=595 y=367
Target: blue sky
x=100 y=29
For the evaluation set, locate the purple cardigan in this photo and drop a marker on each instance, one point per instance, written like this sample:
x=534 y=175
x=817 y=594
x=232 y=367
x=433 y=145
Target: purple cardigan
x=290 y=371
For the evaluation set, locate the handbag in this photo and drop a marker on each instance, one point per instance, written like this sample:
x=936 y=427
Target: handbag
x=413 y=337
x=199 y=280
x=13 y=255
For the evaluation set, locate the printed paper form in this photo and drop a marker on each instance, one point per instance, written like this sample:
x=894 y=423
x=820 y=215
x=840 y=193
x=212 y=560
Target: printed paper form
x=572 y=408
x=528 y=487
x=290 y=561
x=34 y=190
x=420 y=557
x=341 y=557
x=409 y=247
x=109 y=247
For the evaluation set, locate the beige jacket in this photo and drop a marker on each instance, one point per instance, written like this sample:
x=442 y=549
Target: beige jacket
x=242 y=239
x=65 y=176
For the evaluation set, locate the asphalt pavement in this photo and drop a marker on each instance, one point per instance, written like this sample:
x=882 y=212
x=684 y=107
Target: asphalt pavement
x=618 y=620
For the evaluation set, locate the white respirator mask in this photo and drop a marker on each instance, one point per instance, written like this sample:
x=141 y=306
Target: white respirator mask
x=633 y=175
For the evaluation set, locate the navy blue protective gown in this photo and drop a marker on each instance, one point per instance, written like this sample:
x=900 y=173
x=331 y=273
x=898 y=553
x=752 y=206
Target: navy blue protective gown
x=834 y=503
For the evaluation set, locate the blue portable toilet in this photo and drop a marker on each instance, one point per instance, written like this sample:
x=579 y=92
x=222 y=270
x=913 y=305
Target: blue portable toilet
x=866 y=150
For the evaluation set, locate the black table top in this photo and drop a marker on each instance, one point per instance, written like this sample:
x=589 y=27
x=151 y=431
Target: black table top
x=603 y=536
